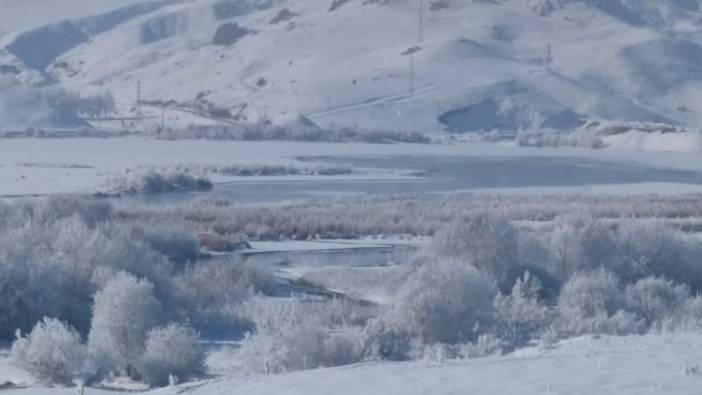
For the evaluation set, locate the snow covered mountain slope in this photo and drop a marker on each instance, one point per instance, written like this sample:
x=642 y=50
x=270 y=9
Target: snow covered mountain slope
x=472 y=65
x=23 y=14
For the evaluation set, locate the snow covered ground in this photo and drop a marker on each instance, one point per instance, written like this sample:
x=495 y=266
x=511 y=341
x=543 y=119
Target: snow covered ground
x=656 y=364
x=638 y=365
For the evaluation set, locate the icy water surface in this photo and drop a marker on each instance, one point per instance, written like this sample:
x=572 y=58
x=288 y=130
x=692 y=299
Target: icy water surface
x=445 y=175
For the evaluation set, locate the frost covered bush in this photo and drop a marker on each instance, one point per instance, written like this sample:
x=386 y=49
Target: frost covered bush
x=688 y=317
x=489 y=243
x=171 y=351
x=485 y=345
x=125 y=310
x=594 y=303
x=443 y=301
x=629 y=249
x=581 y=243
x=386 y=340
x=656 y=300
x=655 y=249
x=52 y=352
x=45 y=211
x=153 y=182
x=178 y=245
x=56 y=253
x=522 y=315
x=211 y=294
x=295 y=335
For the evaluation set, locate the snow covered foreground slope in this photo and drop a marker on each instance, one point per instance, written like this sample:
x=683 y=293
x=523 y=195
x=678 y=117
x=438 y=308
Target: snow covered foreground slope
x=504 y=64
x=621 y=366
x=653 y=364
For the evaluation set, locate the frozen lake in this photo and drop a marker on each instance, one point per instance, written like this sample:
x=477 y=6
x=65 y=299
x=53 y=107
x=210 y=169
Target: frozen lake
x=448 y=174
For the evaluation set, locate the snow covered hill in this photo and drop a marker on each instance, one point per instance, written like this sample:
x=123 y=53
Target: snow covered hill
x=623 y=366
x=472 y=65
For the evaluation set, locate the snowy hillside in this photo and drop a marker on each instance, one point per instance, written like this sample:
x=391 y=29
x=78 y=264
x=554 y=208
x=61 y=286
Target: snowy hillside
x=477 y=65
x=654 y=364
x=21 y=14
x=645 y=365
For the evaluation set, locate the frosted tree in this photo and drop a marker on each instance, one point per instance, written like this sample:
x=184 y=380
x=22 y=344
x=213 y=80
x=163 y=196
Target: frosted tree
x=444 y=301
x=490 y=243
x=171 y=352
x=125 y=310
x=656 y=300
x=521 y=314
x=52 y=352
x=594 y=303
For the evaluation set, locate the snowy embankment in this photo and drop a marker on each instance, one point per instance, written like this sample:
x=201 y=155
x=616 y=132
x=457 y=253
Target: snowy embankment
x=655 y=141
x=636 y=365
x=642 y=136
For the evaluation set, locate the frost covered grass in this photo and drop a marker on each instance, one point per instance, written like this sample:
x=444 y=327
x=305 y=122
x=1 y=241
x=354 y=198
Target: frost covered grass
x=238 y=132
x=259 y=170
x=183 y=178
x=269 y=132
x=83 y=132
x=407 y=215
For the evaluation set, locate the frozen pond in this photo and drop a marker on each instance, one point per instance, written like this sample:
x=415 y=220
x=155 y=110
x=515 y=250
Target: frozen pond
x=447 y=175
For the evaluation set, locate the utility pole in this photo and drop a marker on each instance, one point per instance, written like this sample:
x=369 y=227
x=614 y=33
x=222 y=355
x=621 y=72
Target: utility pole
x=420 y=38
x=421 y=21
x=411 y=75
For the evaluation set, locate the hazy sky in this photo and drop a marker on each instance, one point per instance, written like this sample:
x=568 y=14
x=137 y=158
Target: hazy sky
x=22 y=14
